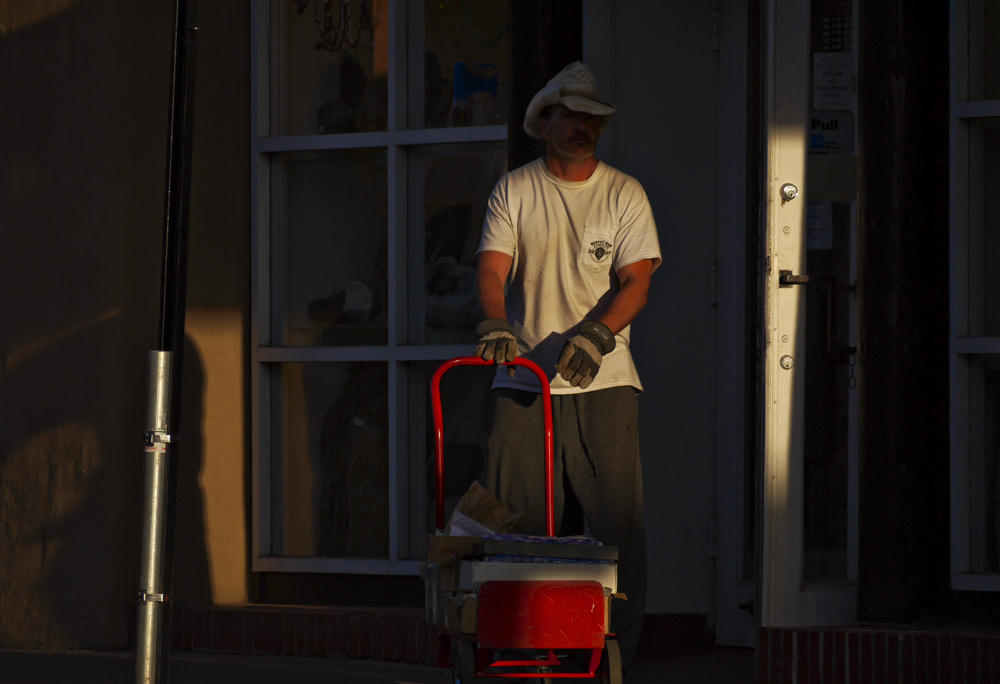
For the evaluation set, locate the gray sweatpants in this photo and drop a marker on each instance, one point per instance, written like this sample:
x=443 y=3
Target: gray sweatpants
x=596 y=468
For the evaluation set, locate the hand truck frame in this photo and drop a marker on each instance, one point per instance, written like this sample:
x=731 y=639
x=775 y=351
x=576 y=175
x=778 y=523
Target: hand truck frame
x=504 y=599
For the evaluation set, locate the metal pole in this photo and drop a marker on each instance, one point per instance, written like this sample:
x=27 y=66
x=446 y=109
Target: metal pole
x=153 y=614
x=152 y=597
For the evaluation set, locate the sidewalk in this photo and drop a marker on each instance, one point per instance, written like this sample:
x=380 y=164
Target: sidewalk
x=705 y=666
x=88 y=667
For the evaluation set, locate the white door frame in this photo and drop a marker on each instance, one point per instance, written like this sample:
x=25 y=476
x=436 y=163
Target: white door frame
x=786 y=107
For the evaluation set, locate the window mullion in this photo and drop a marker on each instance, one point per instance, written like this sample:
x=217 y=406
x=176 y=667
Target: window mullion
x=278 y=85
x=960 y=454
x=260 y=284
x=396 y=160
x=396 y=463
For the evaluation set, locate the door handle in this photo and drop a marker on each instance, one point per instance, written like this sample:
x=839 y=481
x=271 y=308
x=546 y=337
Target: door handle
x=833 y=351
x=786 y=279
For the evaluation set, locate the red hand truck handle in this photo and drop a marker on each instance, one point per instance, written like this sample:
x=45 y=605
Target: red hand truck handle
x=550 y=519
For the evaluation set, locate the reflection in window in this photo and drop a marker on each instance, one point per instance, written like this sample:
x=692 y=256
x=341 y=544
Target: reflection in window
x=984 y=50
x=984 y=321
x=828 y=385
x=449 y=188
x=332 y=491
x=465 y=404
x=335 y=272
x=337 y=65
x=325 y=282
x=465 y=63
x=984 y=179
x=984 y=413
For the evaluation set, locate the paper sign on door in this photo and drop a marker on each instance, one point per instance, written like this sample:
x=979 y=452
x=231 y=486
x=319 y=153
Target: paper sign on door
x=819 y=223
x=832 y=81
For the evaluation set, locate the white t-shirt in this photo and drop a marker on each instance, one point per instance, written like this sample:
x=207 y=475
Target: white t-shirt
x=567 y=240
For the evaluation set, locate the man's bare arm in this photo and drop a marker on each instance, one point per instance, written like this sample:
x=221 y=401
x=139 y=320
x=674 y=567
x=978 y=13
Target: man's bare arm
x=491 y=274
x=630 y=299
x=581 y=358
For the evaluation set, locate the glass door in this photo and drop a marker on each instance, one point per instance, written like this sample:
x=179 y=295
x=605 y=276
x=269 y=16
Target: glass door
x=808 y=484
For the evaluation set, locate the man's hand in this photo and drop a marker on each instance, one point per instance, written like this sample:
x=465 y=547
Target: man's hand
x=497 y=342
x=581 y=358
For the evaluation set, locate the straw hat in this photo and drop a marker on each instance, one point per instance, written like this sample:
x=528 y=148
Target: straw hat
x=575 y=88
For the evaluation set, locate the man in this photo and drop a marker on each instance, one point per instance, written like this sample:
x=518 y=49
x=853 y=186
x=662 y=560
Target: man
x=565 y=260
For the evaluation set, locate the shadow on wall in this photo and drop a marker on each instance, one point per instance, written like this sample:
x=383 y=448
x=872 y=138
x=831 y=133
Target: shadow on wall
x=86 y=87
x=71 y=472
x=192 y=584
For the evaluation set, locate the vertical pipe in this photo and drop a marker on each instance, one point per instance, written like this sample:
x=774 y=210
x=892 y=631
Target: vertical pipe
x=164 y=393
x=152 y=596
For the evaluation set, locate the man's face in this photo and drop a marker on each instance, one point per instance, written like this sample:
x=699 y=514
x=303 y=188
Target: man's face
x=569 y=134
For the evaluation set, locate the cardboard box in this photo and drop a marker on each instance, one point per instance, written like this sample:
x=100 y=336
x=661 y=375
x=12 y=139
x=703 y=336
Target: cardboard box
x=607 y=609
x=461 y=612
x=442 y=549
x=452 y=612
x=470 y=614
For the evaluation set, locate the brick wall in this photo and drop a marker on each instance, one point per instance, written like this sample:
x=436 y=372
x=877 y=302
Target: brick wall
x=872 y=655
x=378 y=634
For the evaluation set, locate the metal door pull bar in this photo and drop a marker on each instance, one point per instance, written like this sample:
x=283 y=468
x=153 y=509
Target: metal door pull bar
x=786 y=279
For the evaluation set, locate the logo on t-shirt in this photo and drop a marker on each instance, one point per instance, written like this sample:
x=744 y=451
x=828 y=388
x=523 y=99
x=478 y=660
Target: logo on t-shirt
x=599 y=250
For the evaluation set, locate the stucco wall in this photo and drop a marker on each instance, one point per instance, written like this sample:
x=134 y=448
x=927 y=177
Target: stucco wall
x=675 y=335
x=664 y=133
x=82 y=157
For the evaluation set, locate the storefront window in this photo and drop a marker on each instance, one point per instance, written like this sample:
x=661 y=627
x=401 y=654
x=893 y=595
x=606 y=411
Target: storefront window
x=975 y=295
x=465 y=64
x=984 y=405
x=830 y=451
x=334 y=74
x=984 y=321
x=335 y=259
x=382 y=129
x=984 y=50
x=332 y=475
x=465 y=401
x=984 y=178
x=829 y=385
x=449 y=189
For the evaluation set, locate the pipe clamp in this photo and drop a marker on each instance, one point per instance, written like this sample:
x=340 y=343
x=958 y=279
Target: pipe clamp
x=152 y=438
x=146 y=597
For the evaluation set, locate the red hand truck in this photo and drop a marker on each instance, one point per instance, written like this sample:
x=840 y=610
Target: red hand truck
x=517 y=608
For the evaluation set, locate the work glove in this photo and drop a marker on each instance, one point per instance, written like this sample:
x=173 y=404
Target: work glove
x=497 y=342
x=581 y=358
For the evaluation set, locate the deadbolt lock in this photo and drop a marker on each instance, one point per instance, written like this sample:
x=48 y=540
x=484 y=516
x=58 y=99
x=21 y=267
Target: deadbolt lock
x=789 y=191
